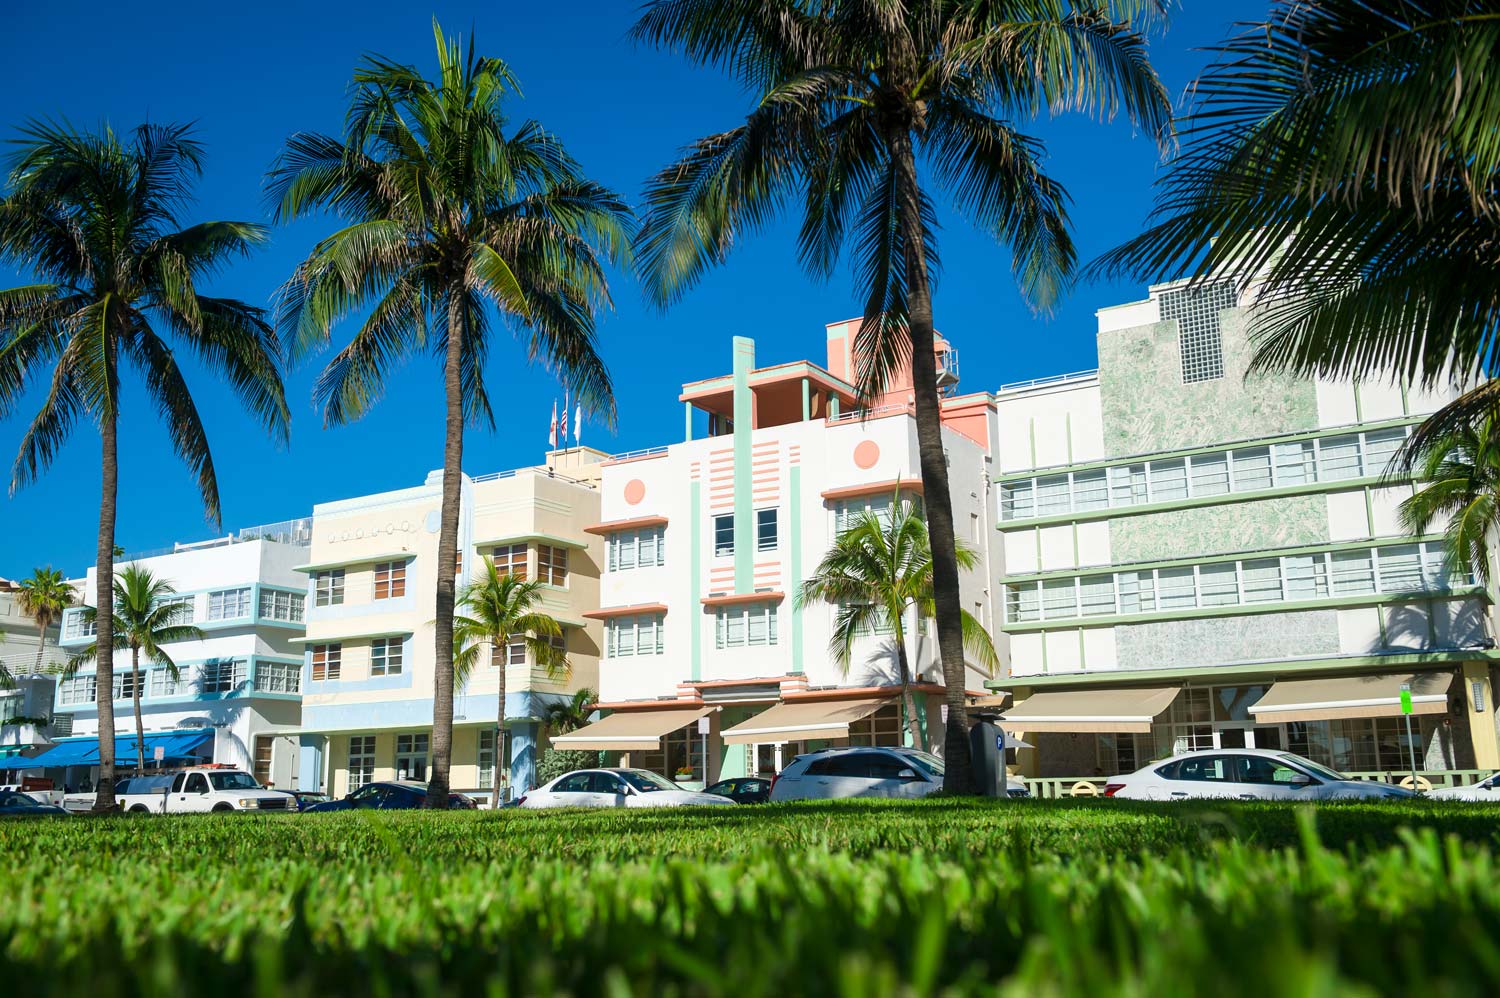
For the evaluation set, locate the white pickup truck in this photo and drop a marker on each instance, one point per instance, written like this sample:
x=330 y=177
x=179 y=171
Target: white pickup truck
x=190 y=791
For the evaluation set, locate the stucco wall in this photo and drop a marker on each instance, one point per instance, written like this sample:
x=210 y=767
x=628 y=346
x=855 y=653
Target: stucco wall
x=1262 y=637
x=1247 y=526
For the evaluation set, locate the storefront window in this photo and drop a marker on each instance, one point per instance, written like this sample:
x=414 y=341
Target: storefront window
x=680 y=749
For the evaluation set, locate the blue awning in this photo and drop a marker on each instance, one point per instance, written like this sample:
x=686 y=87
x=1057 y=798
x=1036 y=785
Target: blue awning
x=177 y=746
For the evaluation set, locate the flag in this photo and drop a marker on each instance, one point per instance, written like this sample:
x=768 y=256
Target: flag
x=565 y=418
x=552 y=436
x=577 y=422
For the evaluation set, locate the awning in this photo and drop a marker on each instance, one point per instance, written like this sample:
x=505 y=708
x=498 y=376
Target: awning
x=177 y=746
x=802 y=720
x=1352 y=696
x=628 y=731
x=1090 y=710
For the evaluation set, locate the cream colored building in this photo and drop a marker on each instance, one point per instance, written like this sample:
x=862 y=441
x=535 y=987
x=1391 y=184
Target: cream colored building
x=369 y=649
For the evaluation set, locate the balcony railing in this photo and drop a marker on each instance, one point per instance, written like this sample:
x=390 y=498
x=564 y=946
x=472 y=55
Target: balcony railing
x=298 y=532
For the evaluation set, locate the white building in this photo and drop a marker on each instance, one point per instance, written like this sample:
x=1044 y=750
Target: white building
x=31 y=694
x=709 y=541
x=238 y=694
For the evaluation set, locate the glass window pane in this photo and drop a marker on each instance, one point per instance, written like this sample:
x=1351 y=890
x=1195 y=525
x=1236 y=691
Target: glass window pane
x=1217 y=585
x=1296 y=463
x=1338 y=458
x=1090 y=490
x=1017 y=500
x=1260 y=581
x=1380 y=447
x=1052 y=496
x=1137 y=592
x=1168 y=480
x=1022 y=602
x=1210 y=474
x=1098 y=595
x=1175 y=588
x=1059 y=599
x=1401 y=569
x=1306 y=577
x=1252 y=469
x=1353 y=575
x=1127 y=485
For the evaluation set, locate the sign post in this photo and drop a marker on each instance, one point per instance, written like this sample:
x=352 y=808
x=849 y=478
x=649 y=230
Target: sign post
x=703 y=726
x=1411 y=748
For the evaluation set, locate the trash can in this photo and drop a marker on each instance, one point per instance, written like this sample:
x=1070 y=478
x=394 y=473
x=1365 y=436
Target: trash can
x=987 y=750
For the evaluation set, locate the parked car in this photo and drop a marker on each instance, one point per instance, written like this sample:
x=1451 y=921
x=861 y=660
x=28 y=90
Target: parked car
x=866 y=772
x=395 y=795
x=1487 y=789
x=197 y=789
x=615 y=788
x=1247 y=774
x=14 y=804
x=743 y=789
x=307 y=798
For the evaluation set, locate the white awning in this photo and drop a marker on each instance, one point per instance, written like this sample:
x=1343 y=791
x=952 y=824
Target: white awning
x=1089 y=710
x=803 y=720
x=628 y=730
x=1352 y=696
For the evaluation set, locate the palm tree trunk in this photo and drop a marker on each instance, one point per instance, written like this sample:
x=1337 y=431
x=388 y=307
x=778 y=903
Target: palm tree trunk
x=908 y=703
x=41 y=643
x=104 y=604
x=447 y=566
x=140 y=729
x=937 y=503
x=499 y=731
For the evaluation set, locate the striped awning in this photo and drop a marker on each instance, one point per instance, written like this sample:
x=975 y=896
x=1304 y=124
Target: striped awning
x=1123 y=710
x=629 y=730
x=1352 y=696
x=802 y=720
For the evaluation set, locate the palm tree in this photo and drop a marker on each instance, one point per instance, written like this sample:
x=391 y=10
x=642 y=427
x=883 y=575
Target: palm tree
x=448 y=216
x=43 y=598
x=1340 y=159
x=145 y=619
x=1458 y=475
x=497 y=608
x=876 y=571
x=97 y=219
x=849 y=97
x=571 y=713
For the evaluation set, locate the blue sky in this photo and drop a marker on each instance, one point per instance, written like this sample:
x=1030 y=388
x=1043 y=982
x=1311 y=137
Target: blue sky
x=250 y=74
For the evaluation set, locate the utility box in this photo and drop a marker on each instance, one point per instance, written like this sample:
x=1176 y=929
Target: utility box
x=987 y=749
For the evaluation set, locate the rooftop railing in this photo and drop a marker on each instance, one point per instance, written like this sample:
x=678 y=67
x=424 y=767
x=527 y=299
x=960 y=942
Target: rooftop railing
x=641 y=452
x=1052 y=379
x=298 y=531
x=879 y=410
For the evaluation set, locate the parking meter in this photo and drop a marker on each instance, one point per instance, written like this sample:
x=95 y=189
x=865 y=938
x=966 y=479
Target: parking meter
x=987 y=749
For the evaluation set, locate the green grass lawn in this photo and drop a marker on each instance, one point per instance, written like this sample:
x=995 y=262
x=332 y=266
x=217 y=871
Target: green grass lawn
x=1024 y=898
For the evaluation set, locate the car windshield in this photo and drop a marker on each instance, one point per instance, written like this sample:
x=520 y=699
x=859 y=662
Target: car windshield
x=926 y=761
x=1313 y=767
x=233 y=781
x=647 y=782
x=11 y=799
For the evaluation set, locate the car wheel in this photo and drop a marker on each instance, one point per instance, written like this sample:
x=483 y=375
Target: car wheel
x=223 y=807
x=140 y=809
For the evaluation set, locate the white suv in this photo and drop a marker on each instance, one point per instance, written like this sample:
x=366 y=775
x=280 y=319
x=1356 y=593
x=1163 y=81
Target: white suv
x=901 y=773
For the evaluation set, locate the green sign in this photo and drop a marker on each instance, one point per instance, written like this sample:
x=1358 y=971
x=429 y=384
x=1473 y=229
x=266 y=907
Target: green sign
x=1406 y=701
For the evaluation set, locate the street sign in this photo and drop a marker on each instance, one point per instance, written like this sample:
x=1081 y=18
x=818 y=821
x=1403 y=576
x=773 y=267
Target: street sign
x=159 y=753
x=1405 y=700
x=703 y=725
x=945 y=713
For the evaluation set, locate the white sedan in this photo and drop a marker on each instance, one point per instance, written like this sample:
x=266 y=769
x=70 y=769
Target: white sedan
x=616 y=788
x=1487 y=789
x=1247 y=774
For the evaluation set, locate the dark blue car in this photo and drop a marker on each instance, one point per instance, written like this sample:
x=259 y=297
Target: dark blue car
x=19 y=805
x=398 y=795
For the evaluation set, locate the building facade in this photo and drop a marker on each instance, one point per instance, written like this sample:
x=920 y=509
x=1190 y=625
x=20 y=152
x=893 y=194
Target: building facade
x=711 y=667
x=1200 y=556
x=236 y=698
x=369 y=653
x=26 y=707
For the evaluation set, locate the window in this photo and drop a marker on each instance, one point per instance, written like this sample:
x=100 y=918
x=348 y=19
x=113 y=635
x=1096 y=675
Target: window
x=76 y=626
x=180 y=607
x=264 y=747
x=1380 y=447
x=765 y=530
x=640 y=634
x=385 y=657
x=1174 y=587
x=1262 y=580
x=162 y=684
x=881 y=728
x=361 y=760
x=486 y=758
x=1294 y=463
x=552 y=565
x=849 y=512
x=1210 y=768
x=411 y=757
x=723 y=535
x=1053 y=496
x=1353 y=574
x=1401 y=569
x=636 y=549
x=1210 y=475
x=745 y=625
x=558 y=643
x=1090 y=490
x=1137 y=592
x=277 y=677
x=327 y=661
x=1306 y=577
x=1120 y=754
x=277 y=604
x=1022 y=603
x=223 y=676
x=513 y=652
x=1338 y=458
x=510 y=559
x=229 y=604
x=1059 y=598
x=390 y=580
x=78 y=689
x=1252 y=469
x=1196 y=310
x=1017 y=500
x=1168 y=480
x=1097 y=595
x=878 y=623
x=328 y=588
x=126 y=684
x=680 y=750
x=1127 y=485
x=1218 y=585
